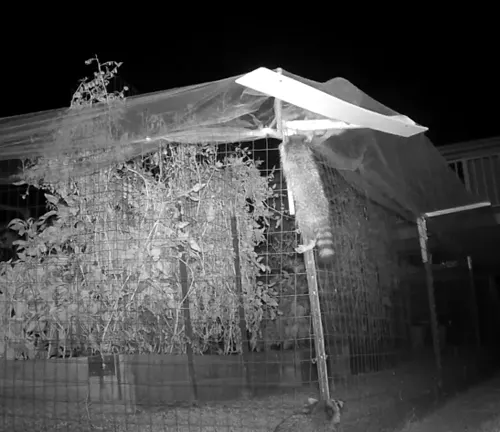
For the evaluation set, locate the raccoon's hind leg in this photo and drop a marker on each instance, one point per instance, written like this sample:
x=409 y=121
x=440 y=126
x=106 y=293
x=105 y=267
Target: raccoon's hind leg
x=305 y=247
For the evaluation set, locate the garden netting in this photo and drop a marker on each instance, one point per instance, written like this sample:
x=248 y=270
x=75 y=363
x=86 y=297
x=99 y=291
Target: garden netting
x=407 y=175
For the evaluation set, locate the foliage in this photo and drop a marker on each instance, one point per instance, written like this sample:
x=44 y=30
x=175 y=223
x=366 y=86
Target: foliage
x=281 y=234
x=291 y=325
x=100 y=271
x=95 y=91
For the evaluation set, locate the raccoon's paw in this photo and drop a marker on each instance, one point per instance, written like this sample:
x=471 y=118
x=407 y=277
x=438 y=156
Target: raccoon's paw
x=304 y=248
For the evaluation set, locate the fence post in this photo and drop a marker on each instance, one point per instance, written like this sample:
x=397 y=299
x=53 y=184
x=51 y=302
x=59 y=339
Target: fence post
x=319 y=337
x=246 y=378
x=312 y=283
x=472 y=286
x=429 y=278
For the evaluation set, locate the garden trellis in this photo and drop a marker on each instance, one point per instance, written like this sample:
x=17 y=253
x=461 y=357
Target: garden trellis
x=148 y=213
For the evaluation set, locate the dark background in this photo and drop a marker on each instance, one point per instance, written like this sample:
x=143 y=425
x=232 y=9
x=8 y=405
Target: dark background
x=443 y=74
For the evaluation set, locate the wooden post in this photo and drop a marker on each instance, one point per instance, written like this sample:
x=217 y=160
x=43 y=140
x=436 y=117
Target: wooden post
x=184 y=280
x=422 y=235
x=312 y=282
x=494 y=304
x=475 y=315
x=241 y=310
x=319 y=337
x=278 y=112
x=187 y=322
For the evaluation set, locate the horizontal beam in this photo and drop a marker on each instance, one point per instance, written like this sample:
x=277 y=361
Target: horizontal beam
x=294 y=126
x=457 y=209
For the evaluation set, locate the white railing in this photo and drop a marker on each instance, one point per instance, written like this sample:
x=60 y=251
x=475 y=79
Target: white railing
x=480 y=175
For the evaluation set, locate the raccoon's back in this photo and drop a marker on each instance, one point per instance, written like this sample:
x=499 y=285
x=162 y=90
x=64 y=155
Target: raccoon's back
x=304 y=178
x=304 y=423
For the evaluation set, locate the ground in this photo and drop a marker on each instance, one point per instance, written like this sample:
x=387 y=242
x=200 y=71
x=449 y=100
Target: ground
x=476 y=410
x=370 y=399
x=377 y=402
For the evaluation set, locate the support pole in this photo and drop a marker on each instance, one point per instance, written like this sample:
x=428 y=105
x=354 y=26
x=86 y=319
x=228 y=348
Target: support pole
x=312 y=282
x=319 y=336
x=423 y=238
x=187 y=321
x=245 y=352
x=278 y=112
x=472 y=286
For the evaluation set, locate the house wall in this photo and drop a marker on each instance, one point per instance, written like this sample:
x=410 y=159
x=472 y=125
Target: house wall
x=477 y=165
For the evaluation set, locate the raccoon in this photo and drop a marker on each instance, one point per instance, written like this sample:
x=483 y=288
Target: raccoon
x=317 y=416
x=312 y=207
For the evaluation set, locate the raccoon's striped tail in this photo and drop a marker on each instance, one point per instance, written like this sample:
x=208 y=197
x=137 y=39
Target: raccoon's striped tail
x=324 y=243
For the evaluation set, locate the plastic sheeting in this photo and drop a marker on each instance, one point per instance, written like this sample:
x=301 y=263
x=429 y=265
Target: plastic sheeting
x=405 y=174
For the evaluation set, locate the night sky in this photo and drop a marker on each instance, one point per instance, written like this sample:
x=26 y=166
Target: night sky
x=448 y=83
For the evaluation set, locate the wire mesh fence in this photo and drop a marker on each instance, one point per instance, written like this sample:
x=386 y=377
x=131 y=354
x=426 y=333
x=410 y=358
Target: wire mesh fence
x=163 y=289
x=167 y=293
